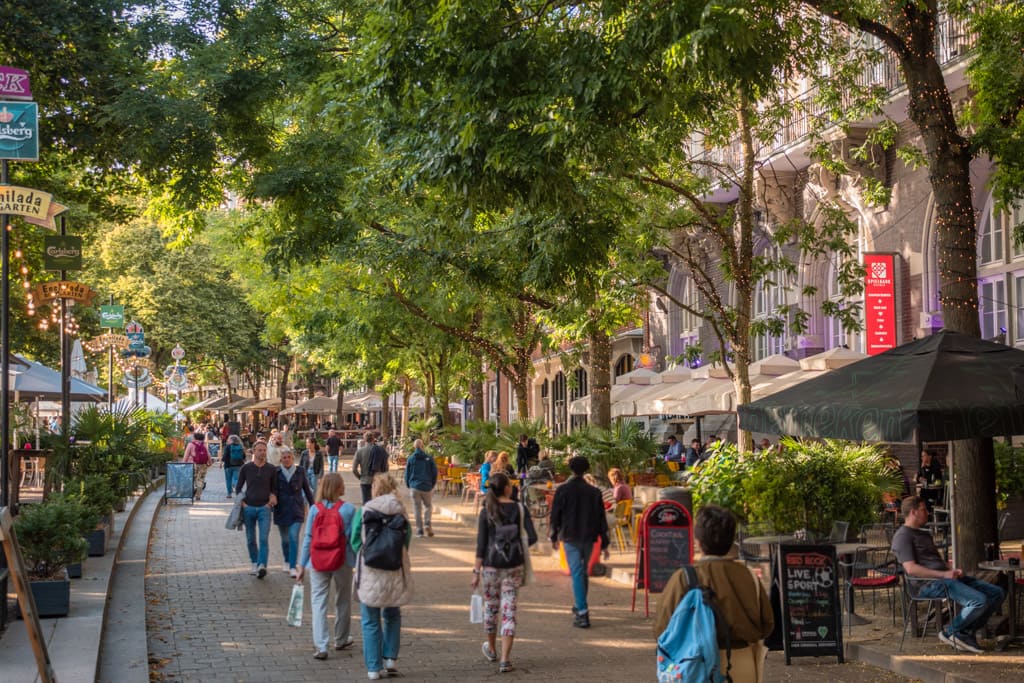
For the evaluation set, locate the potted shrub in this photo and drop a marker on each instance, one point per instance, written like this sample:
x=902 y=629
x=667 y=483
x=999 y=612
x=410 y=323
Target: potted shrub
x=94 y=493
x=50 y=536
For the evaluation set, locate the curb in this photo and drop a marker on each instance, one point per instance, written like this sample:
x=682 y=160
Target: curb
x=904 y=666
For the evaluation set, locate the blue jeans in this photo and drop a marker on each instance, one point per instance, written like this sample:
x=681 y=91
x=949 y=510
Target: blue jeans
x=376 y=647
x=253 y=515
x=978 y=600
x=578 y=555
x=290 y=542
x=312 y=479
x=230 y=478
x=332 y=463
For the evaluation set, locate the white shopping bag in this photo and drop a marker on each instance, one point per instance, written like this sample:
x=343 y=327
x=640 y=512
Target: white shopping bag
x=476 y=609
x=295 y=606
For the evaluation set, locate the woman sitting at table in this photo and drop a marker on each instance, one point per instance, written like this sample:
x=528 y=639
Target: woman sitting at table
x=485 y=469
x=620 y=489
x=930 y=478
x=740 y=595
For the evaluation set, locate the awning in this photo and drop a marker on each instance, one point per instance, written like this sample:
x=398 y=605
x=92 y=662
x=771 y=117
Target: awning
x=273 y=404
x=29 y=380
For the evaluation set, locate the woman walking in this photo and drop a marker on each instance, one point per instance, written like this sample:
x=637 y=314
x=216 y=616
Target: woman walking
x=316 y=461
x=502 y=560
x=197 y=454
x=382 y=592
x=329 y=502
x=292 y=488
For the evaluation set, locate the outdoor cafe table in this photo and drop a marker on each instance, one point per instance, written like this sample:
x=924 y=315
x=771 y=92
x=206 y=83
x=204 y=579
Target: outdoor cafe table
x=848 y=552
x=1004 y=567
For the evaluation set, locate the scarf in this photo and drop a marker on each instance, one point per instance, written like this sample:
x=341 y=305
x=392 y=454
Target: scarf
x=288 y=472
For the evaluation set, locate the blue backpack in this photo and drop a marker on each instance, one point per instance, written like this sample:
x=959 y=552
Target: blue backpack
x=688 y=648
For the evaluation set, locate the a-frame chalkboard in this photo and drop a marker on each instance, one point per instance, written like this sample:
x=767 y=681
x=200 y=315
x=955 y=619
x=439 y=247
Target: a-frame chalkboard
x=812 y=621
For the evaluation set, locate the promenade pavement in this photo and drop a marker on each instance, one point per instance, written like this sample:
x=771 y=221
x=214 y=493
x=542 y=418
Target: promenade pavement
x=208 y=620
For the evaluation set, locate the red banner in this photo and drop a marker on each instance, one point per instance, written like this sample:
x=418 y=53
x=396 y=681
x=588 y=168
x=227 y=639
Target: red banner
x=879 y=302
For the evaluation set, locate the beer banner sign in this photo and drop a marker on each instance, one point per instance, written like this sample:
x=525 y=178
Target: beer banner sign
x=14 y=83
x=34 y=206
x=112 y=316
x=63 y=289
x=19 y=131
x=63 y=252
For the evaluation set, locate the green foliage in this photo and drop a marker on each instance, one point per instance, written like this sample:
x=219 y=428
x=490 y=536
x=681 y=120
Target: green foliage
x=809 y=485
x=94 y=493
x=50 y=536
x=625 y=446
x=1009 y=472
x=469 y=447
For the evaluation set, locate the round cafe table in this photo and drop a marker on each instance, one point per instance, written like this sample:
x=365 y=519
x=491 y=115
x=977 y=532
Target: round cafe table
x=1011 y=571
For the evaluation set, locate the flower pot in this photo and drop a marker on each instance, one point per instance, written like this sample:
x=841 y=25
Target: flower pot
x=97 y=539
x=75 y=570
x=52 y=598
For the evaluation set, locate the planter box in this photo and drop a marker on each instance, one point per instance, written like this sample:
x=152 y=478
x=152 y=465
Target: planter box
x=97 y=539
x=75 y=570
x=52 y=598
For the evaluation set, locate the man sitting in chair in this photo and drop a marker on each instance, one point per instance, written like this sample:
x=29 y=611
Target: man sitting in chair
x=916 y=552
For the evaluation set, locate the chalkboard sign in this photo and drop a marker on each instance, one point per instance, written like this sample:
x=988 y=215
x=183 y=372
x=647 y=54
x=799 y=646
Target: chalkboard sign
x=16 y=566
x=665 y=543
x=180 y=481
x=812 y=622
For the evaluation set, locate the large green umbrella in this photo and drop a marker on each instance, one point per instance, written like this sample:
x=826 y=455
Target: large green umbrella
x=946 y=386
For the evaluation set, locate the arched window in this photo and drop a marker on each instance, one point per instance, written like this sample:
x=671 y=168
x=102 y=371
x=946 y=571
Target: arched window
x=623 y=365
x=559 y=409
x=769 y=295
x=579 y=388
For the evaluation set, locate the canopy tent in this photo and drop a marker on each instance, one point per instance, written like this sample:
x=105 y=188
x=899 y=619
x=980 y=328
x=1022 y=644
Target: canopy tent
x=947 y=386
x=626 y=386
x=30 y=380
x=272 y=404
x=208 y=403
x=238 y=404
x=318 y=405
x=364 y=402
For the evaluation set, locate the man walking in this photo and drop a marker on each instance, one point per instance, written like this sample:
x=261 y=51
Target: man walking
x=259 y=479
x=578 y=520
x=916 y=552
x=333 y=450
x=371 y=459
x=420 y=478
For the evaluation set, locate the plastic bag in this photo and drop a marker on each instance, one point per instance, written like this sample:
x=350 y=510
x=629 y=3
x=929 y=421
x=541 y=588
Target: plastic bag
x=295 y=606
x=476 y=609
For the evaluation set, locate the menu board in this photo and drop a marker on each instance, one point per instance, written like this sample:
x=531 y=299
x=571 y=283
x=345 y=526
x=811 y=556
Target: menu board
x=812 y=622
x=179 y=483
x=667 y=542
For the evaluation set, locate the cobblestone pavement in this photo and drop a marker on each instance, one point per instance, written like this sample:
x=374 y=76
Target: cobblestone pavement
x=208 y=620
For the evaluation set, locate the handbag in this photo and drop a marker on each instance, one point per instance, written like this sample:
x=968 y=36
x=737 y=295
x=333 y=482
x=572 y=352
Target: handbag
x=524 y=539
x=295 y=605
x=235 y=520
x=476 y=609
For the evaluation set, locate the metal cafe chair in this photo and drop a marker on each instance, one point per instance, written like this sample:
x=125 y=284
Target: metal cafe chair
x=912 y=599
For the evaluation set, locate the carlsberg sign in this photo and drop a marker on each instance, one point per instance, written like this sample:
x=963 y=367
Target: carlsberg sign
x=63 y=252
x=112 y=316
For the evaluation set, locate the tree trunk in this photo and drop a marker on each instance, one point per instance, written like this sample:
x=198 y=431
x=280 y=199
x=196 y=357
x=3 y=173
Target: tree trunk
x=744 y=258
x=340 y=406
x=600 y=379
x=283 y=386
x=406 y=401
x=385 y=415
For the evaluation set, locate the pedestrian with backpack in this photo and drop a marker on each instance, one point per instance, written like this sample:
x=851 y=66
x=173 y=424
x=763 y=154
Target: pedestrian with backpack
x=328 y=557
x=232 y=457
x=732 y=645
x=420 y=479
x=504 y=534
x=197 y=454
x=380 y=535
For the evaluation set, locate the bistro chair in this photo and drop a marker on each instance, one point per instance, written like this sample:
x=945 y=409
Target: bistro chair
x=623 y=521
x=839 y=532
x=871 y=570
x=912 y=599
x=750 y=553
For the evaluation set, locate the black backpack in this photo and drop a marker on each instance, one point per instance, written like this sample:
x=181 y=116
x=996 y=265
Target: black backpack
x=383 y=539
x=506 y=546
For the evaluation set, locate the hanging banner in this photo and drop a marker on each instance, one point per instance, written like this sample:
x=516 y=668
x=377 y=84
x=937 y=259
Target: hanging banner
x=139 y=378
x=19 y=131
x=112 y=316
x=35 y=206
x=63 y=289
x=14 y=83
x=62 y=252
x=879 y=302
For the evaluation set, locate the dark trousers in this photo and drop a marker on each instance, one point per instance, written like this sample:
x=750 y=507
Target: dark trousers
x=367 y=495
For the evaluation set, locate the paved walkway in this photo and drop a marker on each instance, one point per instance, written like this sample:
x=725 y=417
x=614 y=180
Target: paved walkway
x=208 y=620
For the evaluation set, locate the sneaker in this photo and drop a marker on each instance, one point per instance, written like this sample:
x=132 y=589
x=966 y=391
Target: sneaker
x=489 y=654
x=374 y=675
x=293 y=572
x=430 y=532
x=286 y=569
x=419 y=534
x=582 y=620
x=390 y=665
x=229 y=496
x=320 y=655
x=261 y=571
x=504 y=667
x=347 y=644
x=255 y=568
x=966 y=642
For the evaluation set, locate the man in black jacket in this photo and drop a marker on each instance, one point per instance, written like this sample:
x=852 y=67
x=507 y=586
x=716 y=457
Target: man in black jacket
x=578 y=520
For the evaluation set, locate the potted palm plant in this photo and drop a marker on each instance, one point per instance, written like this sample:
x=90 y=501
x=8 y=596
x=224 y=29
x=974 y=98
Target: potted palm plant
x=50 y=536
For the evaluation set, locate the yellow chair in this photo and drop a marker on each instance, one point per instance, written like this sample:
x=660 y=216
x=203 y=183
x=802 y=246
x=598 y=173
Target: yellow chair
x=623 y=520
x=662 y=480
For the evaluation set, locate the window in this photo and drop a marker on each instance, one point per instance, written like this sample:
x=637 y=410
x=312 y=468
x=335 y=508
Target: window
x=835 y=335
x=691 y=297
x=769 y=295
x=1018 y=306
x=623 y=365
x=992 y=307
x=559 y=409
x=990 y=241
x=580 y=389
x=1015 y=219
x=513 y=403
x=492 y=399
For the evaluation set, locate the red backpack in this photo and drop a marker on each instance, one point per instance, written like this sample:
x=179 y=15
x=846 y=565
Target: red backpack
x=200 y=455
x=327 y=551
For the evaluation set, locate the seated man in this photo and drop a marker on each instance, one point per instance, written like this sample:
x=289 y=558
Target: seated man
x=916 y=552
x=675 y=450
x=693 y=454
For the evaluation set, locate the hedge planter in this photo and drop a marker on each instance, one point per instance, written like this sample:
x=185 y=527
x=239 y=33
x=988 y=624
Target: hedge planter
x=97 y=539
x=75 y=570
x=52 y=598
